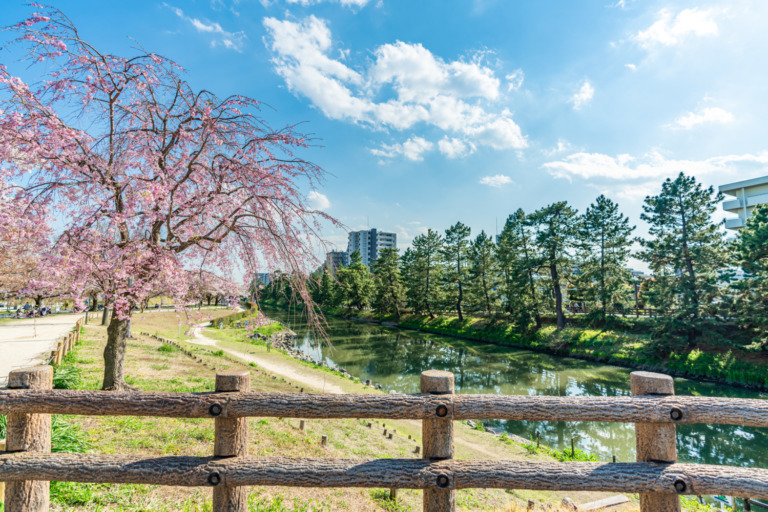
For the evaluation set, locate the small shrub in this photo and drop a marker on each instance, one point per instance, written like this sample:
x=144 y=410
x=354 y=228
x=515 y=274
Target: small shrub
x=166 y=348
x=219 y=353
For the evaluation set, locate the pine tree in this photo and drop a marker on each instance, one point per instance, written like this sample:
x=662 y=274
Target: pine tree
x=411 y=282
x=518 y=264
x=326 y=293
x=604 y=246
x=389 y=293
x=424 y=270
x=355 y=283
x=556 y=227
x=685 y=253
x=454 y=252
x=483 y=272
x=750 y=305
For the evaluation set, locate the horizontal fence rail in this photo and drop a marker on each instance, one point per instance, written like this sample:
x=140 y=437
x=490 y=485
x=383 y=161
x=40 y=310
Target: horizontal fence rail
x=630 y=477
x=636 y=409
x=27 y=466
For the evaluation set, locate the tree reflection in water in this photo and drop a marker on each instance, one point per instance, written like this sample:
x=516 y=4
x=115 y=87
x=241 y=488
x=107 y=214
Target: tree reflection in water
x=395 y=359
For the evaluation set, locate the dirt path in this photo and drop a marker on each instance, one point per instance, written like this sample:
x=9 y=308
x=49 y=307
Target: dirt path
x=271 y=364
x=27 y=342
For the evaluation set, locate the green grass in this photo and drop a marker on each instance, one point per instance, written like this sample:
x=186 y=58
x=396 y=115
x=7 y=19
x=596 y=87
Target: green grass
x=241 y=334
x=722 y=366
x=560 y=455
x=381 y=497
x=66 y=376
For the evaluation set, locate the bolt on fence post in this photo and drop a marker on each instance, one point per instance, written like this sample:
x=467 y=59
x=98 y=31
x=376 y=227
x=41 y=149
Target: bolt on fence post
x=29 y=433
x=656 y=442
x=437 y=438
x=231 y=440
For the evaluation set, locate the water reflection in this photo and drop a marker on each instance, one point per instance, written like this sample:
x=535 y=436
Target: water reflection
x=395 y=359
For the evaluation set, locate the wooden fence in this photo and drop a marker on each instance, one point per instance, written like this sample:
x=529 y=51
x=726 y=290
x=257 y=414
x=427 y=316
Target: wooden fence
x=27 y=466
x=65 y=345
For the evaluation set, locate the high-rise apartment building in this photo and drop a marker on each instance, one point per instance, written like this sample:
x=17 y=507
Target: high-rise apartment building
x=369 y=243
x=748 y=194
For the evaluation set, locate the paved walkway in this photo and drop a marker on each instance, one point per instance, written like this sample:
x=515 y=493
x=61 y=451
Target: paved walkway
x=29 y=341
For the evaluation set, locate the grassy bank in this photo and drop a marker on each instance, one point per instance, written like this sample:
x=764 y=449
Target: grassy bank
x=729 y=365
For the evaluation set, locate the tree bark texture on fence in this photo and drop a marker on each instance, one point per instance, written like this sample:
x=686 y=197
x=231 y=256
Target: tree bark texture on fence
x=230 y=440
x=656 y=442
x=636 y=409
x=622 y=477
x=655 y=412
x=28 y=433
x=437 y=440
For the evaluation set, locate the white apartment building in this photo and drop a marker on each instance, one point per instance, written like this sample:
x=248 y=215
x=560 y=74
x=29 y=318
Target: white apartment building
x=747 y=194
x=369 y=242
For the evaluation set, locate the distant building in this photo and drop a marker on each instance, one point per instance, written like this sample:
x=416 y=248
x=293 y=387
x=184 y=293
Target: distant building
x=263 y=278
x=369 y=242
x=748 y=194
x=639 y=273
x=335 y=260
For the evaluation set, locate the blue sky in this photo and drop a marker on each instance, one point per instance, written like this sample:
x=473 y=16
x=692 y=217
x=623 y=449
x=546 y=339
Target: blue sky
x=430 y=112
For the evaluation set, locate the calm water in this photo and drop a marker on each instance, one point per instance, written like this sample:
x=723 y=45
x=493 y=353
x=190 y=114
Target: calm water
x=395 y=358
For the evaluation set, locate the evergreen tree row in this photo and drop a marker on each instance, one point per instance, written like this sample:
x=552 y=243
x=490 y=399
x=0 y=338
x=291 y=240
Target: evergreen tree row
x=555 y=256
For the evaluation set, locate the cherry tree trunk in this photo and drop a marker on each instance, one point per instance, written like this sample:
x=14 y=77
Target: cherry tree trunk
x=105 y=314
x=114 y=355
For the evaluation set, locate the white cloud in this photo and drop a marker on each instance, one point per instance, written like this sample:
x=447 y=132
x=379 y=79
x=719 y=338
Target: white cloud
x=670 y=29
x=709 y=115
x=403 y=86
x=497 y=181
x=583 y=96
x=318 y=201
x=405 y=235
x=515 y=80
x=416 y=74
x=219 y=36
x=412 y=149
x=632 y=67
x=650 y=165
x=561 y=147
x=455 y=148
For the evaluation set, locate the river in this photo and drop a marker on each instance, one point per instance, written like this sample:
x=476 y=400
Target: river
x=395 y=358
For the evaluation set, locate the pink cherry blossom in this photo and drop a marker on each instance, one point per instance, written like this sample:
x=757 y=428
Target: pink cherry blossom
x=154 y=182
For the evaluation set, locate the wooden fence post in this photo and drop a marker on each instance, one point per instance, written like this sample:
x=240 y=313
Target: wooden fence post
x=29 y=433
x=59 y=350
x=231 y=440
x=656 y=442
x=437 y=439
